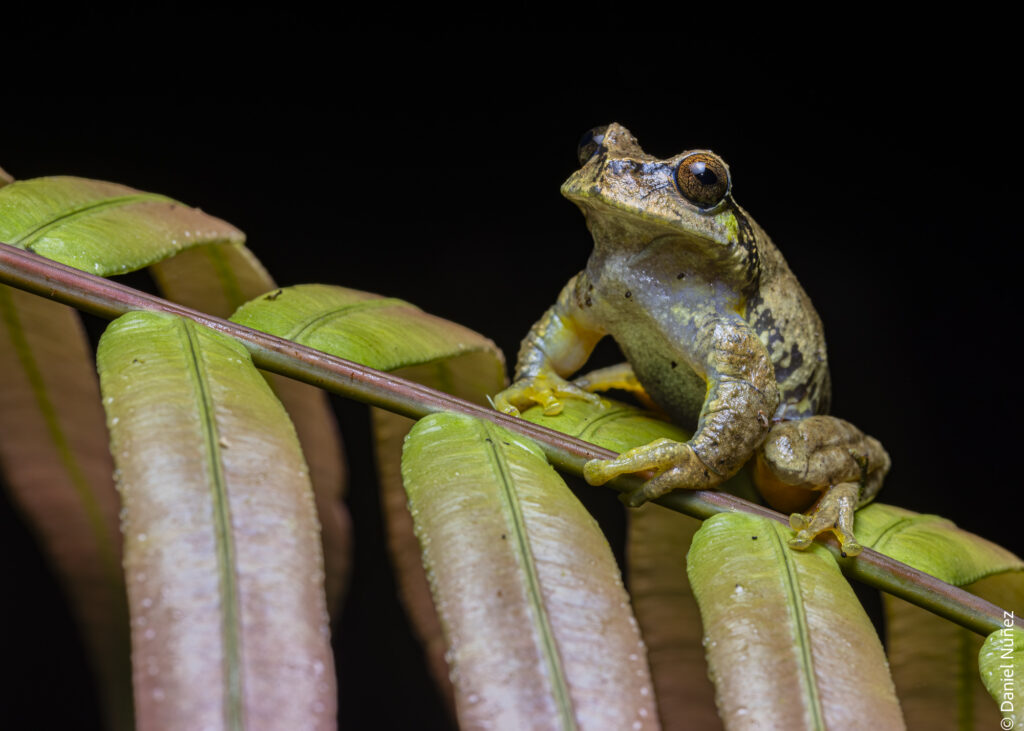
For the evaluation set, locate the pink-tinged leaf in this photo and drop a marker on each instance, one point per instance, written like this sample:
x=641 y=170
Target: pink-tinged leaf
x=788 y=644
x=222 y=546
x=50 y=383
x=53 y=449
x=396 y=336
x=669 y=618
x=218 y=279
x=933 y=661
x=538 y=624
x=934 y=666
x=657 y=542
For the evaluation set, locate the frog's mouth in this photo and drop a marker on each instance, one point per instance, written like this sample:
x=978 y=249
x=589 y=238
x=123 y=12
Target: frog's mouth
x=615 y=224
x=712 y=246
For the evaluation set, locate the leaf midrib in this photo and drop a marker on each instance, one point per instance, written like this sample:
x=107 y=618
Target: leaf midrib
x=305 y=328
x=28 y=238
x=230 y=613
x=517 y=525
x=791 y=585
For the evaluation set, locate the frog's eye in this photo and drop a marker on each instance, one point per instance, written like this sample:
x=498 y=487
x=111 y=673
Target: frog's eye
x=703 y=179
x=591 y=141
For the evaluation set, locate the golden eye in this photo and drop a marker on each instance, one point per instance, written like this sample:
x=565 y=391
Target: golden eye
x=703 y=179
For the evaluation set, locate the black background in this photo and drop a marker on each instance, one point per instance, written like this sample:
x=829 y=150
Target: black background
x=427 y=168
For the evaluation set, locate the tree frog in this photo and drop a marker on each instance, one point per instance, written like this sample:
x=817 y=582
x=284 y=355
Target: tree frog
x=717 y=333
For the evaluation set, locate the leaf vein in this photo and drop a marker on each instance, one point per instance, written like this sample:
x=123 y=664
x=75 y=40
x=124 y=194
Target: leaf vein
x=305 y=328
x=792 y=586
x=28 y=238
x=560 y=687
x=230 y=613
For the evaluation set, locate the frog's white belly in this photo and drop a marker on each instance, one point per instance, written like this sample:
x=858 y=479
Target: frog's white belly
x=658 y=349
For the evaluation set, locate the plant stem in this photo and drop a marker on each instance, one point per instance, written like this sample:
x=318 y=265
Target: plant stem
x=109 y=300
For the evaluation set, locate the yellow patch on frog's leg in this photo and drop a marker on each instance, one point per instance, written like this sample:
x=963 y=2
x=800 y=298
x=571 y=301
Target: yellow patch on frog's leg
x=833 y=512
x=619 y=376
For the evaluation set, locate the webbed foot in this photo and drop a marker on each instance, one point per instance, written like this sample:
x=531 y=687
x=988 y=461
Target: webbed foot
x=833 y=512
x=546 y=389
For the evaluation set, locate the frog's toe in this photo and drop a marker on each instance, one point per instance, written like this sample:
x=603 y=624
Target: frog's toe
x=574 y=392
x=598 y=471
x=850 y=546
x=799 y=521
x=656 y=487
x=801 y=540
x=834 y=512
x=660 y=454
x=550 y=404
x=651 y=489
x=502 y=401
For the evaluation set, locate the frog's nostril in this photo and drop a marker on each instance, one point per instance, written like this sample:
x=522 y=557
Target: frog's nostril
x=590 y=144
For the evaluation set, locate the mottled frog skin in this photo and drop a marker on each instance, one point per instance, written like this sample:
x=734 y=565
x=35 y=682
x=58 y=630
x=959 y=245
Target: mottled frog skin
x=717 y=332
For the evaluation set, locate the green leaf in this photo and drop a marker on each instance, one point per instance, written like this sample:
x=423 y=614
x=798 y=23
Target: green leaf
x=1001 y=661
x=934 y=667
x=612 y=425
x=932 y=544
x=222 y=548
x=383 y=333
x=102 y=228
x=788 y=644
x=657 y=542
x=390 y=335
x=537 y=621
x=934 y=661
x=389 y=431
x=217 y=279
x=52 y=432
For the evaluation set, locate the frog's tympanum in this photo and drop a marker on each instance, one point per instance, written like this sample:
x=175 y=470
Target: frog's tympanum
x=718 y=334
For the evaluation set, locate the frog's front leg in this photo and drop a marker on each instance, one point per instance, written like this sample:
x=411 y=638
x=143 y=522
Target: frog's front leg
x=741 y=398
x=557 y=345
x=822 y=453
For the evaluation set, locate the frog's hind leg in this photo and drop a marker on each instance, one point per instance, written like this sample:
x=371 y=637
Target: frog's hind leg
x=822 y=453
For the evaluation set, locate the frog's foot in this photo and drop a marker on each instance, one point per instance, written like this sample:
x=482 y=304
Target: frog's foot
x=676 y=463
x=546 y=389
x=833 y=512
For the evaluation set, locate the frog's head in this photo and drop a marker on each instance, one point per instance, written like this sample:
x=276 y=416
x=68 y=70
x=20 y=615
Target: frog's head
x=631 y=199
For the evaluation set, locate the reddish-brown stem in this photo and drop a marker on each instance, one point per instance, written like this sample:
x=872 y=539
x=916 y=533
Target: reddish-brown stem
x=109 y=300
